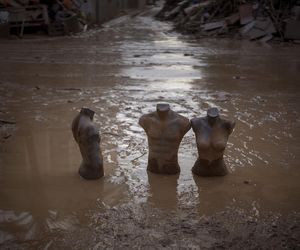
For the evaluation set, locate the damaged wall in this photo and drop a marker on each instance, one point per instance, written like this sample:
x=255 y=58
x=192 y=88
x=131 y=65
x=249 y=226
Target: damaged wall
x=103 y=10
x=96 y=10
x=59 y=17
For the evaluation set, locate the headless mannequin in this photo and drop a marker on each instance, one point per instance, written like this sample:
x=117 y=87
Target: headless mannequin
x=87 y=136
x=165 y=130
x=212 y=134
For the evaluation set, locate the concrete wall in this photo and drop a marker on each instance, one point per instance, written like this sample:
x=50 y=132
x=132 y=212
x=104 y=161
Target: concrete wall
x=104 y=10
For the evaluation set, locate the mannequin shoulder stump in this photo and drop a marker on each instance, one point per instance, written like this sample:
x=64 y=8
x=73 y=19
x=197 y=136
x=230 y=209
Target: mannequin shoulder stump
x=147 y=120
x=74 y=127
x=197 y=123
x=229 y=126
x=143 y=121
x=194 y=122
x=186 y=125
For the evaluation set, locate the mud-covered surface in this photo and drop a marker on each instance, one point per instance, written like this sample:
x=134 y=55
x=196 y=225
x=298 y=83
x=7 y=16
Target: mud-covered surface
x=121 y=71
x=142 y=227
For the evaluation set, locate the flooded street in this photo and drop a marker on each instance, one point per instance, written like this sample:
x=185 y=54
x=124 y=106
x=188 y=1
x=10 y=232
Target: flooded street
x=122 y=71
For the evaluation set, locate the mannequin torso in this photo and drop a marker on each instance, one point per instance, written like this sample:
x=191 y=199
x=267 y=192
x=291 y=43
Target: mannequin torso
x=87 y=136
x=165 y=130
x=212 y=134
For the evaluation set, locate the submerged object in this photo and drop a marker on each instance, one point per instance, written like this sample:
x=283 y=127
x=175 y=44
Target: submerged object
x=165 y=130
x=88 y=139
x=212 y=134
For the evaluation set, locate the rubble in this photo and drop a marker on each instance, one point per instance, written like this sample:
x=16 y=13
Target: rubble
x=253 y=20
x=57 y=17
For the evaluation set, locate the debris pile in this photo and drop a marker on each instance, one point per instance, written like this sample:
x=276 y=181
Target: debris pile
x=254 y=20
x=57 y=17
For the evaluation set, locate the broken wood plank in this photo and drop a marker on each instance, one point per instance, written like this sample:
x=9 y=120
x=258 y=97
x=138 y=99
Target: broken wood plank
x=266 y=38
x=247 y=27
x=173 y=12
x=7 y=122
x=191 y=9
x=213 y=25
x=265 y=24
x=232 y=19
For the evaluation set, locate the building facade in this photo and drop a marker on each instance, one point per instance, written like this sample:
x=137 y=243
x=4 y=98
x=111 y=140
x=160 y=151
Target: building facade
x=103 y=10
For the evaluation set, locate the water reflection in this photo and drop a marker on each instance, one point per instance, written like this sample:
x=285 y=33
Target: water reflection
x=163 y=190
x=41 y=191
x=213 y=194
x=165 y=60
x=171 y=84
x=24 y=226
x=182 y=73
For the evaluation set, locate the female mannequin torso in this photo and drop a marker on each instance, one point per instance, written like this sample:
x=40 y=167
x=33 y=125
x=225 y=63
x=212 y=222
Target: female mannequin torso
x=212 y=134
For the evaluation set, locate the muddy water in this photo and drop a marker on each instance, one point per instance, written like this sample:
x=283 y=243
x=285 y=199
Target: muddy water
x=121 y=71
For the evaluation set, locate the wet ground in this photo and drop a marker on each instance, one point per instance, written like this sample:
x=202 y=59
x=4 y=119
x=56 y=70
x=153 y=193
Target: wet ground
x=122 y=71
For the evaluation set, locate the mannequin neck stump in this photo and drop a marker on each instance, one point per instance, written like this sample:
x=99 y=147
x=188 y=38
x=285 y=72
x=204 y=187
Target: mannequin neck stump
x=162 y=110
x=87 y=112
x=212 y=120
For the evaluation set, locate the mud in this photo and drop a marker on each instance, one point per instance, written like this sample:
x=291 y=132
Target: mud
x=121 y=71
x=141 y=227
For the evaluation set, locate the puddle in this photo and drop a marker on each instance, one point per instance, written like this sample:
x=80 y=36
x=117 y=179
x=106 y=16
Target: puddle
x=142 y=64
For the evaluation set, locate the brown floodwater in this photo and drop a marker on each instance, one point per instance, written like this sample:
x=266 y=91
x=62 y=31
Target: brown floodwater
x=122 y=71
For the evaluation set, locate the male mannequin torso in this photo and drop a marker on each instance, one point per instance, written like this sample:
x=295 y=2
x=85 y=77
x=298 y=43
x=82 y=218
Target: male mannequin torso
x=165 y=130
